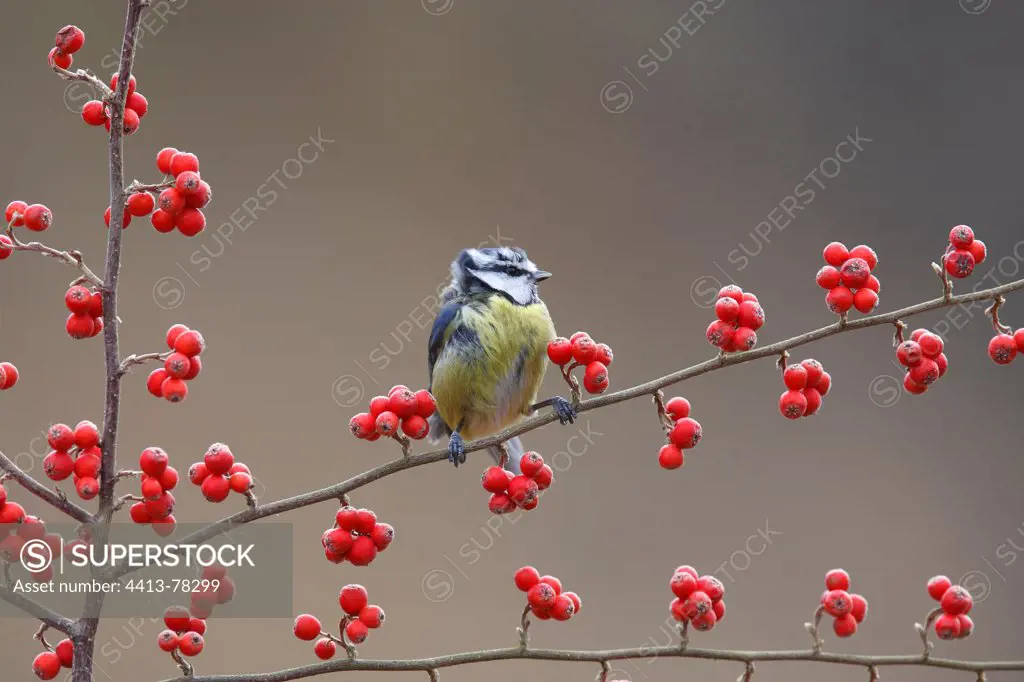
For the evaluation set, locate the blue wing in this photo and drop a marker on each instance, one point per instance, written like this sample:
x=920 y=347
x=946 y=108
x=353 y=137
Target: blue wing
x=446 y=317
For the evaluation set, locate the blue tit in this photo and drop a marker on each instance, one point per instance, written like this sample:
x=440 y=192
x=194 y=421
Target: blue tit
x=488 y=351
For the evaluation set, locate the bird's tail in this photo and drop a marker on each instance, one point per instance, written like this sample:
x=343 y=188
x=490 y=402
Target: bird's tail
x=439 y=431
x=515 y=453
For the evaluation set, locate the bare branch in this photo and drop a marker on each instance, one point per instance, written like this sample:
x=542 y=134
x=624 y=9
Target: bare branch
x=517 y=653
x=48 y=617
x=55 y=499
x=133 y=359
x=72 y=258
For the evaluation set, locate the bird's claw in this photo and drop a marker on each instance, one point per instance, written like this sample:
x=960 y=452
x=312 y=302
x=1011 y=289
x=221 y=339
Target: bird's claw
x=456 y=450
x=564 y=409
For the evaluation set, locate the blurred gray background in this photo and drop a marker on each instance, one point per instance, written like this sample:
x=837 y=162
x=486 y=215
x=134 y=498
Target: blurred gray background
x=545 y=124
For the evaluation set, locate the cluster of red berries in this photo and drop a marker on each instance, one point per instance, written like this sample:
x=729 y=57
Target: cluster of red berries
x=956 y=603
x=357 y=536
x=510 y=492
x=8 y=375
x=923 y=357
x=685 y=433
x=76 y=453
x=180 y=206
x=47 y=665
x=740 y=315
x=182 y=364
x=963 y=252
x=544 y=595
x=582 y=351
x=849 y=610
x=219 y=474
x=36 y=217
x=360 y=617
x=807 y=384
x=158 y=479
x=848 y=278
x=184 y=632
x=10 y=512
x=86 y=318
x=96 y=113
x=215 y=587
x=698 y=598
x=28 y=528
x=1003 y=348
x=69 y=40
x=400 y=408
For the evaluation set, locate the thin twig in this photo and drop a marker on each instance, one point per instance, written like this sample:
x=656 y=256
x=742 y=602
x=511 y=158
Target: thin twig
x=923 y=630
x=72 y=258
x=40 y=636
x=133 y=359
x=29 y=606
x=524 y=629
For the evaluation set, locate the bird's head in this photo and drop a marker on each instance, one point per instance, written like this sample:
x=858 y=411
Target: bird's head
x=506 y=270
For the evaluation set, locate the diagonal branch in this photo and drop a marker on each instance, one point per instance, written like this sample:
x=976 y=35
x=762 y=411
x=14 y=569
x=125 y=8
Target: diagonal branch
x=517 y=653
x=647 y=389
x=48 y=617
x=55 y=499
x=72 y=258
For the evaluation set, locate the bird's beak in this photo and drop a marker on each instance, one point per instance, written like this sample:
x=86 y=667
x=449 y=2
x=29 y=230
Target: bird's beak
x=541 y=275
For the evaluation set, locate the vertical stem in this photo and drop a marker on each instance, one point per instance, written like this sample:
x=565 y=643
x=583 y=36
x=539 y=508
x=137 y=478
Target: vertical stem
x=85 y=630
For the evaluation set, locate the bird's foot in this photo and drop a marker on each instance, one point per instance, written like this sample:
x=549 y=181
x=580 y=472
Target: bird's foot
x=456 y=450
x=564 y=409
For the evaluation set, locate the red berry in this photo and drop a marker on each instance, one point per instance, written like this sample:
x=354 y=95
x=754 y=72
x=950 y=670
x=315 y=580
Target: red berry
x=8 y=375
x=79 y=326
x=131 y=121
x=171 y=201
x=838 y=603
x=70 y=39
x=966 y=624
x=47 y=664
x=306 y=627
x=555 y=583
x=563 y=609
x=686 y=434
x=87 y=466
x=415 y=427
x=696 y=604
x=131 y=83
x=15 y=208
x=188 y=182
x=383 y=534
x=151 y=489
x=584 y=350
x=813 y=397
x=87 y=488
x=494 y=480
x=956 y=600
x=912 y=386
x=959 y=263
x=727 y=309
x=576 y=602
x=522 y=490
x=6 y=246
x=403 y=403
x=197 y=473
x=530 y=464
x=167 y=640
x=909 y=354
x=201 y=197
x=1002 y=349
x=720 y=334
x=839 y=300
x=141 y=204
x=386 y=423
x=94 y=113
x=683 y=584
x=814 y=371
x=195 y=366
x=218 y=459
x=324 y=649
x=670 y=457
x=961 y=237
x=137 y=103
x=560 y=350
x=541 y=596
x=190 y=222
x=732 y=291
x=60 y=437
x=363 y=551
x=372 y=615
x=155 y=382
x=793 y=404
x=190 y=343
x=676 y=609
x=704 y=621
x=931 y=344
x=65 y=650
x=501 y=503
x=827 y=277
x=37 y=217
x=240 y=482
x=978 y=250
x=216 y=488
x=711 y=586
x=177 y=365
x=174 y=390
x=865 y=300
x=947 y=626
x=425 y=404
x=363 y=425
x=191 y=644
x=58 y=465
x=837 y=579
x=795 y=377
x=86 y=435
x=845 y=626
x=183 y=161
x=604 y=354
x=859 y=608
x=365 y=521
x=854 y=273
x=78 y=299
x=866 y=253
x=595 y=378
x=924 y=374
x=356 y=631
x=353 y=599
x=938 y=585
x=526 y=577
x=139 y=513
x=677 y=408
x=836 y=254
x=58 y=58
x=544 y=477
x=163 y=159
x=751 y=315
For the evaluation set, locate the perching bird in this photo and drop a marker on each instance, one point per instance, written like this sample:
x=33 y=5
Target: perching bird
x=487 y=352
